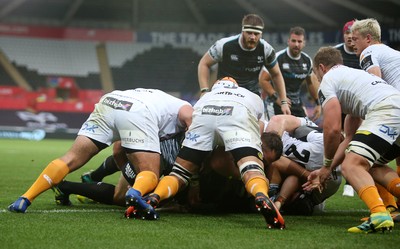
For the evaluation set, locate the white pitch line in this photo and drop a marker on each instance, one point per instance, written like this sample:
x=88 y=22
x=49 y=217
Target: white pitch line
x=121 y=210
x=71 y=211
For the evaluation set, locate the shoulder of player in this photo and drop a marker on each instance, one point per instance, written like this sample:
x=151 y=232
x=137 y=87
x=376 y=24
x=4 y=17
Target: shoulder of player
x=339 y=46
x=304 y=55
x=228 y=39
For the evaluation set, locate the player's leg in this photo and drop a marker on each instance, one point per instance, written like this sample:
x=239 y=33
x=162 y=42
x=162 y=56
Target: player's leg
x=289 y=187
x=355 y=170
x=147 y=166
x=389 y=178
x=97 y=191
x=82 y=150
x=108 y=166
x=251 y=169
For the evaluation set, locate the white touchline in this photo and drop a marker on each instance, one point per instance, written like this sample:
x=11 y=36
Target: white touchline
x=70 y=211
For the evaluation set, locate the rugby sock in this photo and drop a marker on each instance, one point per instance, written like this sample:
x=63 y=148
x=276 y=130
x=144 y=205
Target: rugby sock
x=50 y=176
x=108 y=167
x=387 y=197
x=145 y=182
x=168 y=187
x=257 y=184
x=394 y=187
x=97 y=191
x=371 y=198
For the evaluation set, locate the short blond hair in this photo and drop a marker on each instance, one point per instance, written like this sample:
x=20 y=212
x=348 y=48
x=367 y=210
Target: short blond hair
x=369 y=26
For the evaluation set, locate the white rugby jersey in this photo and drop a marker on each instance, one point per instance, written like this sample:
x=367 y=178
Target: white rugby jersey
x=308 y=153
x=385 y=57
x=356 y=90
x=240 y=95
x=162 y=105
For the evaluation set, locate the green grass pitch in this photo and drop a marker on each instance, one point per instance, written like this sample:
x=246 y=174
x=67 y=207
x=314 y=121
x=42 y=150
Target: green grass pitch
x=47 y=225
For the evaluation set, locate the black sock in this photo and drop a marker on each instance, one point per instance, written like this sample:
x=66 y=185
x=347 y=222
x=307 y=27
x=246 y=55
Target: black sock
x=108 y=167
x=97 y=191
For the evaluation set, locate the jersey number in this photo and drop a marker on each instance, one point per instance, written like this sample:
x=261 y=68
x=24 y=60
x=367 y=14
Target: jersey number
x=304 y=156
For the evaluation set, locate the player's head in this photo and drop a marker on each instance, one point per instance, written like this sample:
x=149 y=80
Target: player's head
x=226 y=82
x=296 y=40
x=252 y=28
x=369 y=26
x=347 y=35
x=365 y=32
x=272 y=146
x=326 y=58
x=347 y=26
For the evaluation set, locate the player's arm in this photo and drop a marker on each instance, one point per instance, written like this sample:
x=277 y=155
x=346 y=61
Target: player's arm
x=332 y=127
x=185 y=115
x=312 y=86
x=350 y=127
x=376 y=71
x=281 y=123
x=279 y=83
x=264 y=80
x=204 y=71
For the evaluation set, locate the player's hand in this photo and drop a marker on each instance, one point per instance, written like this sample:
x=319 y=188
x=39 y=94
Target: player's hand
x=317 y=113
x=324 y=174
x=313 y=182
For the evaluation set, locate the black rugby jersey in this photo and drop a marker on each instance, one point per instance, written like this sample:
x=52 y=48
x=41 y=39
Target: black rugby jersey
x=241 y=64
x=294 y=72
x=349 y=59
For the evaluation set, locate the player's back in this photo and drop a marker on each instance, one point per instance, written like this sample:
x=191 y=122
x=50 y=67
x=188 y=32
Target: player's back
x=387 y=58
x=356 y=90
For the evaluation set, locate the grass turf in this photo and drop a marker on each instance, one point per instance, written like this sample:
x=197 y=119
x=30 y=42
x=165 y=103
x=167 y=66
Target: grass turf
x=47 y=225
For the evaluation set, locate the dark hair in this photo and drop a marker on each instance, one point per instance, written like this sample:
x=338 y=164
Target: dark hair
x=252 y=20
x=297 y=31
x=328 y=56
x=272 y=141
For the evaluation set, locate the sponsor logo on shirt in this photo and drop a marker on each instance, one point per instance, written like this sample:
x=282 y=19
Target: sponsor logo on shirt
x=234 y=57
x=366 y=62
x=117 y=104
x=285 y=66
x=233 y=94
x=253 y=69
x=321 y=97
x=217 y=110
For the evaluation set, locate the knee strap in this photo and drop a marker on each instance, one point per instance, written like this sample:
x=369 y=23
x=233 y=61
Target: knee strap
x=250 y=166
x=181 y=173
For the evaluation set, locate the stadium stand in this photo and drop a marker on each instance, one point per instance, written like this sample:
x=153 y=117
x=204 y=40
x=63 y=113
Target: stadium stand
x=168 y=68
x=44 y=62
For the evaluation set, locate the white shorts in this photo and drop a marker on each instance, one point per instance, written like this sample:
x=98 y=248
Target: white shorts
x=384 y=122
x=223 y=123
x=136 y=128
